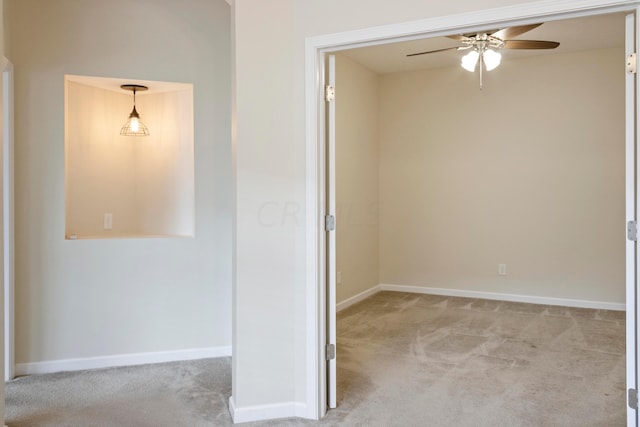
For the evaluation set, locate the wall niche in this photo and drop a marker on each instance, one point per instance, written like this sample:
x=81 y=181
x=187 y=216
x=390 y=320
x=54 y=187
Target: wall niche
x=126 y=186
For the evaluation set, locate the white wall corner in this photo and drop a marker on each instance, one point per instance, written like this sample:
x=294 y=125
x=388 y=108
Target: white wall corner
x=267 y=412
x=232 y=408
x=357 y=298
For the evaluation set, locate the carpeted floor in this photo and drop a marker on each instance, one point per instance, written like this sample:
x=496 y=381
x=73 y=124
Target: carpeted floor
x=403 y=360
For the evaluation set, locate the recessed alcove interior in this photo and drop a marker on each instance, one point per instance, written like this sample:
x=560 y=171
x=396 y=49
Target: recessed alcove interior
x=144 y=184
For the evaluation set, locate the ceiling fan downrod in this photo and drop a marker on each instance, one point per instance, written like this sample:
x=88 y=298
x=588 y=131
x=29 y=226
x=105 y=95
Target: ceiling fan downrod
x=481 y=65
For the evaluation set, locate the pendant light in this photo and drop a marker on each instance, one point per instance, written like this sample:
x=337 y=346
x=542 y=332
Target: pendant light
x=134 y=126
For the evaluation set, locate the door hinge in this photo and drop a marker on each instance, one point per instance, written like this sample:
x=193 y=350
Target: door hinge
x=632 y=231
x=632 y=63
x=329 y=93
x=329 y=223
x=330 y=351
x=633 y=398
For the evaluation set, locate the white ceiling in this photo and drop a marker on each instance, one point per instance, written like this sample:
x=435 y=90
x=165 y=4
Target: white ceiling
x=579 y=34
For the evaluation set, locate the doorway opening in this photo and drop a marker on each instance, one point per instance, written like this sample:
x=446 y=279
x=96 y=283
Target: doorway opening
x=316 y=50
x=465 y=180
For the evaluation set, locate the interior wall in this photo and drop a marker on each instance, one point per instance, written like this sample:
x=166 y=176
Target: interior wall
x=357 y=165
x=91 y=298
x=270 y=211
x=528 y=172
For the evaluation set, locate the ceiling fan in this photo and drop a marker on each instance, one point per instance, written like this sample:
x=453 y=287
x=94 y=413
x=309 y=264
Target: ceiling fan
x=485 y=46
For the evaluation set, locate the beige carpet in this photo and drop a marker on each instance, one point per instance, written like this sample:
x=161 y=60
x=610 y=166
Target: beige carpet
x=461 y=362
x=404 y=360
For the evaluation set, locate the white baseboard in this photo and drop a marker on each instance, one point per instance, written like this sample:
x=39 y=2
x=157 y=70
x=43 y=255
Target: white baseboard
x=80 y=364
x=601 y=305
x=266 y=412
x=357 y=298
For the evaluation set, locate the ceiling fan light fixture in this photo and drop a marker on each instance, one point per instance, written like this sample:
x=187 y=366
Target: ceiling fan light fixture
x=485 y=47
x=470 y=60
x=491 y=59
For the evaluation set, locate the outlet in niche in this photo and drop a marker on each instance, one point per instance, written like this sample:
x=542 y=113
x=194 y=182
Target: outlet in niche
x=108 y=221
x=502 y=269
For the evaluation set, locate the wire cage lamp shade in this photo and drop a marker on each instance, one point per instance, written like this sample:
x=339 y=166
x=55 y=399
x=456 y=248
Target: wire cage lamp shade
x=134 y=126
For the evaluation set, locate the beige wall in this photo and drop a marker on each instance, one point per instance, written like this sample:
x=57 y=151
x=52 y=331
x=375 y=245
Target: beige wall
x=356 y=177
x=528 y=172
x=471 y=179
x=100 y=167
x=165 y=162
x=91 y=298
x=270 y=229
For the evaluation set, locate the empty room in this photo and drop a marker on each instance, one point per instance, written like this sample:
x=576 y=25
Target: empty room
x=480 y=228
x=168 y=165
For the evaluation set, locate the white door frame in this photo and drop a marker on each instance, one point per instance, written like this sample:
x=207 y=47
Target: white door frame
x=8 y=218
x=331 y=234
x=631 y=203
x=315 y=50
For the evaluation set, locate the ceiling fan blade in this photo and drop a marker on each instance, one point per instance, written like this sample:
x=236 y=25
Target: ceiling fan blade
x=507 y=33
x=458 y=37
x=434 y=51
x=530 y=44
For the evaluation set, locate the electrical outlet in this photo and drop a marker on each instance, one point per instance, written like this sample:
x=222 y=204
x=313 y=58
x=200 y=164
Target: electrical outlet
x=502 y=269
x=339 y=278
x=108 y=221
